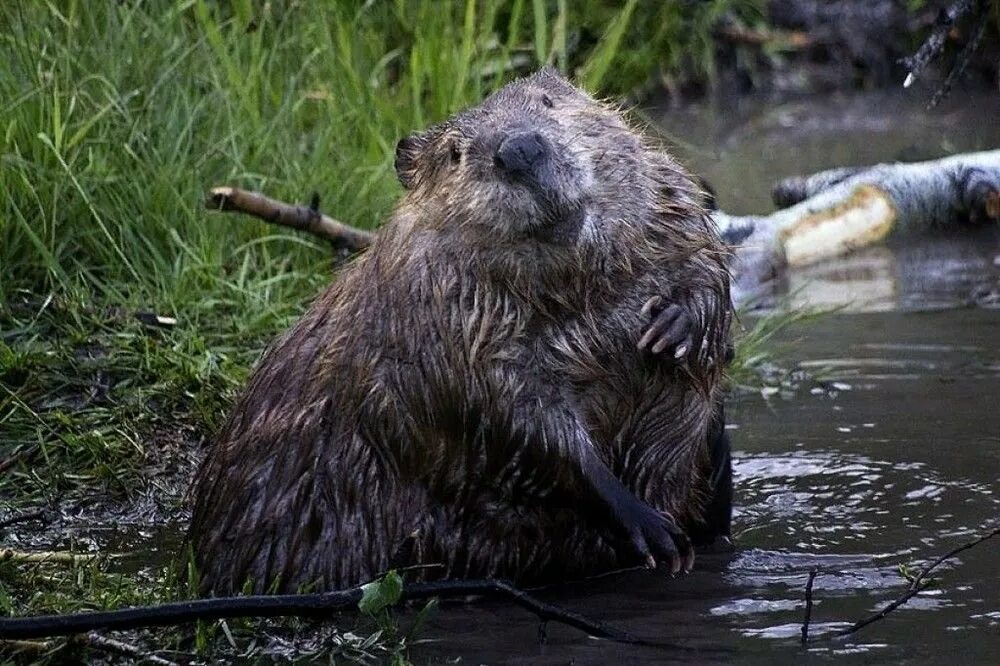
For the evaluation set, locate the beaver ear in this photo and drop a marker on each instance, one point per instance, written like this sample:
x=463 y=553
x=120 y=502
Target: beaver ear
x=407 y=151
x=550 y=72
x=551 y=77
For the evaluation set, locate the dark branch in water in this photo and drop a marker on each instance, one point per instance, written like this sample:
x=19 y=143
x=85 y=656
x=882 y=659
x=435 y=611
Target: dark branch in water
x=917 y=585
x=809 y=605
x=296 y=605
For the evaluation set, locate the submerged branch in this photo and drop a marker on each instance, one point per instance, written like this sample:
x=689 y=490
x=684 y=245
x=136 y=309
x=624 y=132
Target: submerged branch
x=809 y=605
x=293 y=605
x=916 y=586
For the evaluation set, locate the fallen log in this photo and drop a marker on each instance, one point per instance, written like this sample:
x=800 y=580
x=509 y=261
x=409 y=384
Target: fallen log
x=836 y=212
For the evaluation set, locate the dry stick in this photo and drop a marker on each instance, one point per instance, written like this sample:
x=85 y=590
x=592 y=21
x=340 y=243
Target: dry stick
x=961 y=62
x=297 y=217
x=297 y=605
x=56 y=556
x=809 y=605
x=21 y=454
x=34 y=647
x=914 y=589
x=96 y=641
x=22 y=518
x=934 y=43
x=794 y=39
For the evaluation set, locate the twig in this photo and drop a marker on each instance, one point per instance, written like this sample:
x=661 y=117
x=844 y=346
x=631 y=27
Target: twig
x=809 y=605
x=934 y=43
x=914 y=588
x=791 y=39
x=297 y=605
x=22 y=518
x=297 y=217
x=21 y=454
x=58 y=556
x=33 y=647
x=95 y=640
x=961 y=62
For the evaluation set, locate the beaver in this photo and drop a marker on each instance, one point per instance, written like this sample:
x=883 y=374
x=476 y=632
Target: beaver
x=519 y=379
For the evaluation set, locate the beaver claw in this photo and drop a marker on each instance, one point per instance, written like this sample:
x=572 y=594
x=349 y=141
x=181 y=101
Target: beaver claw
x=657 y=539
x=671 y=329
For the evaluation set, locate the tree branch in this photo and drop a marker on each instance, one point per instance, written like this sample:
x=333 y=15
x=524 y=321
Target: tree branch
x=935 y=42
x=98 y=642
x=303 y=218
x=297 y=605
x=916 y=586
x=809 y=605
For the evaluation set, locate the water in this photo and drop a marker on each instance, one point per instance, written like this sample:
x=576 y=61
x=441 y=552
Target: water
x=889 y=455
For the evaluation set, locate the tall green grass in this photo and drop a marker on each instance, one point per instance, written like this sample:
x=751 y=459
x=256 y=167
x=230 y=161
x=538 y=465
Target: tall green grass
x=116 y=117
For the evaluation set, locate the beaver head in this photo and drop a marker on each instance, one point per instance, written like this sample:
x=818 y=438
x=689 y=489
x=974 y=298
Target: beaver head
x=539 y=160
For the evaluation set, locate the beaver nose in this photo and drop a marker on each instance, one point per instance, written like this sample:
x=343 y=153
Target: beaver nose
x=520 y=154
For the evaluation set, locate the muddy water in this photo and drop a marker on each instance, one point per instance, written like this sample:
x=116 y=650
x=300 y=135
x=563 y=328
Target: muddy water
x=888 y=455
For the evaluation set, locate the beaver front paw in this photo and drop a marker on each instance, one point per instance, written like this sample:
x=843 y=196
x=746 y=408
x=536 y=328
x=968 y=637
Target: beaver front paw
x=657 y=538
x=671 y=329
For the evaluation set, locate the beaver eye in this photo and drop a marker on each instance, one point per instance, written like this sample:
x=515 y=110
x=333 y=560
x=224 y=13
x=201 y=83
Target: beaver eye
x=547 y=101
x=456 y=153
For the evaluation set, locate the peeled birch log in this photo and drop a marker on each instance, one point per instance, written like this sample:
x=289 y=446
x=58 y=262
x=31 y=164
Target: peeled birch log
x=835 y=212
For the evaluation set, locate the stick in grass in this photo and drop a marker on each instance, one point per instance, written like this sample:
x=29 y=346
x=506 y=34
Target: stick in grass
x=303 y=218
x=98 y=642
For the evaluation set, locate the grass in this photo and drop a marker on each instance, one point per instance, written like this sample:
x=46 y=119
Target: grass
x=115 y=118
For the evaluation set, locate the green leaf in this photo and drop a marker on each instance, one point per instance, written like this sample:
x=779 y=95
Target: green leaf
x=380 y=594
x=421 y=619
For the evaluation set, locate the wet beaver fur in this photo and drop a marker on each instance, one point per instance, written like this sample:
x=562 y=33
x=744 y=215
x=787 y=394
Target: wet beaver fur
x=519 y=379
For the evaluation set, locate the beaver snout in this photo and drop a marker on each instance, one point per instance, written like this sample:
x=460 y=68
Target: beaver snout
x=522 y=154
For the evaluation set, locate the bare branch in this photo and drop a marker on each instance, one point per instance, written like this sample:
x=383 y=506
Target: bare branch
x=56 y=556
x=296 y=605
x=935 y=42
x=95 y=640
x=303 y=218
x=38 y=514
x=916 y=586
x=809 y=605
